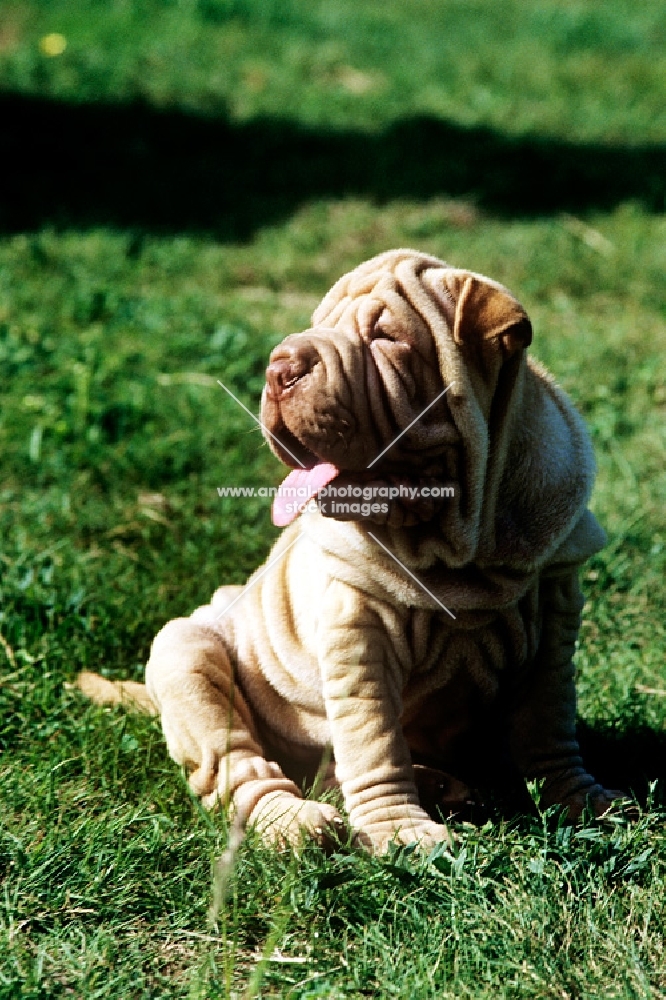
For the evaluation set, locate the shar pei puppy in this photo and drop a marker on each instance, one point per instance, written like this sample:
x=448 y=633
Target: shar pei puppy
x=430 y=582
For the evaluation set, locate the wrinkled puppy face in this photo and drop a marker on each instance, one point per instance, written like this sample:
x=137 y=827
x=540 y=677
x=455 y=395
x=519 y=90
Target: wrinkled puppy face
x=361 y=393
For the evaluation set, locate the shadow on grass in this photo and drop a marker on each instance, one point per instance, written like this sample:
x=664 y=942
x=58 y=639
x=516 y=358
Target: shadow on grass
x=487 y=783
x=166 y=170
x=629 y=759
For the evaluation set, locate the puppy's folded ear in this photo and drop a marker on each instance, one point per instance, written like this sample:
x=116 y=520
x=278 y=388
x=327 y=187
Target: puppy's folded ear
x=485 y=312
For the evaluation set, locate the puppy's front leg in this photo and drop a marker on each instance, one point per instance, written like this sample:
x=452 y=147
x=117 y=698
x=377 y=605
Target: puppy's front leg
x=362 y=691
x=543 y=720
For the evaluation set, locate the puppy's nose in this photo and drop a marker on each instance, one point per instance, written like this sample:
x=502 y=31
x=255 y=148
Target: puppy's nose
x=287 y=368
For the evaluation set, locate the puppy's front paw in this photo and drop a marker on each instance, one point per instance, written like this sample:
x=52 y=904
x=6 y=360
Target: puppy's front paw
x=281 y=818
x=596 y=798
x=413 y=827
x=601 y=801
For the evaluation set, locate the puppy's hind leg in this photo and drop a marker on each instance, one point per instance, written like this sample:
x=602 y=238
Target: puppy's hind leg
x=208 y=728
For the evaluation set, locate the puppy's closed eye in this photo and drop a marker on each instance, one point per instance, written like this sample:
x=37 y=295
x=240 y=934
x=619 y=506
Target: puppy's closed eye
x=388 y=328
x=382 y=332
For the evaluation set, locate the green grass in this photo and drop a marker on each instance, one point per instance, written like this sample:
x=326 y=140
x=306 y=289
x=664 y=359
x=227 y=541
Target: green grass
x=583 y=69
x=114 y=436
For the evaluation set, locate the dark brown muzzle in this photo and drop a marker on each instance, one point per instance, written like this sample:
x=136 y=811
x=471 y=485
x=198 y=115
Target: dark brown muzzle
x=287 y=366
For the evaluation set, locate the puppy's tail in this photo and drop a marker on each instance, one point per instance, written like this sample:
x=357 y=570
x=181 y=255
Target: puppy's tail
x=103 y=692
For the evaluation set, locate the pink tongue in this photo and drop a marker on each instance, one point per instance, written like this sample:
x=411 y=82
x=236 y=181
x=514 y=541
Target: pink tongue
x=298 y=489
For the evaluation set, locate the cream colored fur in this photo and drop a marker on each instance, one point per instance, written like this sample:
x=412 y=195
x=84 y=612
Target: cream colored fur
x=340 y=643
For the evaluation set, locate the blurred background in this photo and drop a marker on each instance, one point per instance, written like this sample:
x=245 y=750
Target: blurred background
x=225 y=115
x=182 y=180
